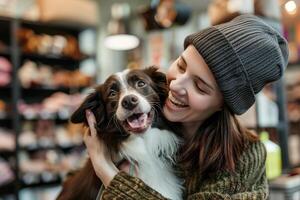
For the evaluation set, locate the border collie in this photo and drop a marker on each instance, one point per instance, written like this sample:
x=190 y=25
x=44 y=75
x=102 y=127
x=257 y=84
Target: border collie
x=127 y=108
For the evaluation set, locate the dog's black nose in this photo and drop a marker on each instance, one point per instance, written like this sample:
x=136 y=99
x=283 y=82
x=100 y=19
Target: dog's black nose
x=130 y=102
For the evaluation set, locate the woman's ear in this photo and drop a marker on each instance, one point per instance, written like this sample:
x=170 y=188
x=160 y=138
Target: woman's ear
x=94 y=103
x=159 y=82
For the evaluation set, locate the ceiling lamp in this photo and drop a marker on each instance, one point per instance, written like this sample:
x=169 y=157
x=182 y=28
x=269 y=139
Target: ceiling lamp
x=121 y=42
x=119 y=37
x=291 y=7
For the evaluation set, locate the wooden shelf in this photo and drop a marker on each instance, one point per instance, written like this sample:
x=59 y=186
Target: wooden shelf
x=55 y=57
x=67 y=62
x=42 y=92
x=8 y=119
x=5 y=53
x=49 y=25
x=5 y=92
x=7 y=189
x=5 y=19
x=46 y=91
x=7 y=153
x=55 y=25
x=42 y=184
x=55 y=147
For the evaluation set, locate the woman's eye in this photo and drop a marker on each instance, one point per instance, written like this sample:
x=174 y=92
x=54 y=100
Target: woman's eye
x=199 y=88
x=180 y=65
x=112 y=93
x=202 y=91
x=140 y=83
x=180 y=68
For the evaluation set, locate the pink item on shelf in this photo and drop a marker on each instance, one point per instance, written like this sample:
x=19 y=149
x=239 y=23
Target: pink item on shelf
x=5 y=78
x=5 y=70
x=7 y=140
x=5 y=65
x=6 y=174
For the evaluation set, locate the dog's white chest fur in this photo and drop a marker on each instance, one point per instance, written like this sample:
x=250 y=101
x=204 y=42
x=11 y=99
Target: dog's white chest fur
x=154 y=152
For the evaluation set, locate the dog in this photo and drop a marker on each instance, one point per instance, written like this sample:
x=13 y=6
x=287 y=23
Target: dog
x=127 y=108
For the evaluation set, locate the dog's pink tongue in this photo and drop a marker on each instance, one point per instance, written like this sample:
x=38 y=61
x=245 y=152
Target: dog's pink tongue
x=138 y=122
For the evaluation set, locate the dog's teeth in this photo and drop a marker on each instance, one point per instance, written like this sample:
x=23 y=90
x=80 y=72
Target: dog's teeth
x=140 y=122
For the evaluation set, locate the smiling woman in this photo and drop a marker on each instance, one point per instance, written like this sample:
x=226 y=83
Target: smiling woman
x=216 y=77
x=194 y=94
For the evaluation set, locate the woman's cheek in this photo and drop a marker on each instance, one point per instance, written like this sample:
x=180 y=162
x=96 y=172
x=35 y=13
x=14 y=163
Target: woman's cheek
x=198 y=102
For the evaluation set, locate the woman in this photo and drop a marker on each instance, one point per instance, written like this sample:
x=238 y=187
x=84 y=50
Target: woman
x=216 y=77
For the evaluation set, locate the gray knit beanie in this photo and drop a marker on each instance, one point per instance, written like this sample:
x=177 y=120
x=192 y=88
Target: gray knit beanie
x=244 y=55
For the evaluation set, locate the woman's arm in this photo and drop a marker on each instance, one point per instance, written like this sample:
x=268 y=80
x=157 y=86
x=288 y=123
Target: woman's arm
x=98 y=153
x=248 y=183
x=124 y=186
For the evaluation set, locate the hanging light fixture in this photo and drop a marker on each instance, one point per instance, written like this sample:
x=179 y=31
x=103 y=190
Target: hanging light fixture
x=119 y=37
x=121 y=42
x=164 y=14
x=291 y=7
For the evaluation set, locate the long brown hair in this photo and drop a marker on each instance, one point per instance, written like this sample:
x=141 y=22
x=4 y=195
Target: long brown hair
x=217 y=145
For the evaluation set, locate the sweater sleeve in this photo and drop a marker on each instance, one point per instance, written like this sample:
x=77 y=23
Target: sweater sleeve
x=126 y=187
x=249 y=182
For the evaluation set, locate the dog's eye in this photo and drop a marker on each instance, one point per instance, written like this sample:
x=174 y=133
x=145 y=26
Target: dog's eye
x=112 y=93
x=140 y=83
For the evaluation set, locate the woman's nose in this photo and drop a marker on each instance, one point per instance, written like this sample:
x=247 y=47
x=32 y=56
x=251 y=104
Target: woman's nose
x=178 y=86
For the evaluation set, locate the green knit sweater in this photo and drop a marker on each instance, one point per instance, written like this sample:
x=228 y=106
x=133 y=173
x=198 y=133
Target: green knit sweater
x=248 y=182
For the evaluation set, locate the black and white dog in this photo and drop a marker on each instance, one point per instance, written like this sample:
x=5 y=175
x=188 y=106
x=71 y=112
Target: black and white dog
x=127 y=108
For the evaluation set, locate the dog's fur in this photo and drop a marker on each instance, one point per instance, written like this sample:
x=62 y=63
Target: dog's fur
x=144 y=139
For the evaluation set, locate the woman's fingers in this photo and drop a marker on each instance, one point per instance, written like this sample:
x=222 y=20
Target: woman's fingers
x=98 y=153
x=86 y=134
x=91 y=121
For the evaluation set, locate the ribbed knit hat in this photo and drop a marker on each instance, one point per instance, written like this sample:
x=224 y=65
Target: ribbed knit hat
x=244 y=55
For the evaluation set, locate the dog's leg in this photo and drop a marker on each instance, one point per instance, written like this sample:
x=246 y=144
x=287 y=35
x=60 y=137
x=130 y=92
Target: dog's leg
x=83 y=185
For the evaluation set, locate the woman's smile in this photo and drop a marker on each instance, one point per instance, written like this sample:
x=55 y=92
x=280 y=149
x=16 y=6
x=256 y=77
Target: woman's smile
x=175 y=101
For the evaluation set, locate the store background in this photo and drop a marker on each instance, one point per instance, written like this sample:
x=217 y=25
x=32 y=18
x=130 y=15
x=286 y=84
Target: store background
x=52 y=52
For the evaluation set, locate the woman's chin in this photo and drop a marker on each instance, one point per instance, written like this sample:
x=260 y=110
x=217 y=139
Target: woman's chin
x=170 y=115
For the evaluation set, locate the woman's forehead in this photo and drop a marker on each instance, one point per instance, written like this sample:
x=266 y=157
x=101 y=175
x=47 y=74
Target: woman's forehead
x=197 y=66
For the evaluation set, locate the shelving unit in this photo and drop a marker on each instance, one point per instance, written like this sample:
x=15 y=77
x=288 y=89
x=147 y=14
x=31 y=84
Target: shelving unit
x=292 y=33
x=282 y=128
x=294 y=126
x=14 y=92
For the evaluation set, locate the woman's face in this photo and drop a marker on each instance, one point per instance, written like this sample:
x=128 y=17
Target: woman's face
x=194 y=94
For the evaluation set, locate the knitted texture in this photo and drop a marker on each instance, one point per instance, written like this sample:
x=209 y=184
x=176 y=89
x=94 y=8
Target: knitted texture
x=248 y=182
x=244 y=55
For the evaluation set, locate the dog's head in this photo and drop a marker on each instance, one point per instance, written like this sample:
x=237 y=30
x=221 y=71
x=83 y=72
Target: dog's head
x=126 y=103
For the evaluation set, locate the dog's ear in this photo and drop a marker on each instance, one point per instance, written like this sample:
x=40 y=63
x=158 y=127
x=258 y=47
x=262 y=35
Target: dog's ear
x=93 y=102
x=160 y=82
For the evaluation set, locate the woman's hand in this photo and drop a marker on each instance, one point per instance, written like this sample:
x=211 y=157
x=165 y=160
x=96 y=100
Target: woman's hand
x=98 y=152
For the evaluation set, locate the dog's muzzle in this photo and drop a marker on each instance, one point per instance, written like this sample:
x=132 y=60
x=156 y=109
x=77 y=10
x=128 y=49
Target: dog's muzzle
x=130 y=102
